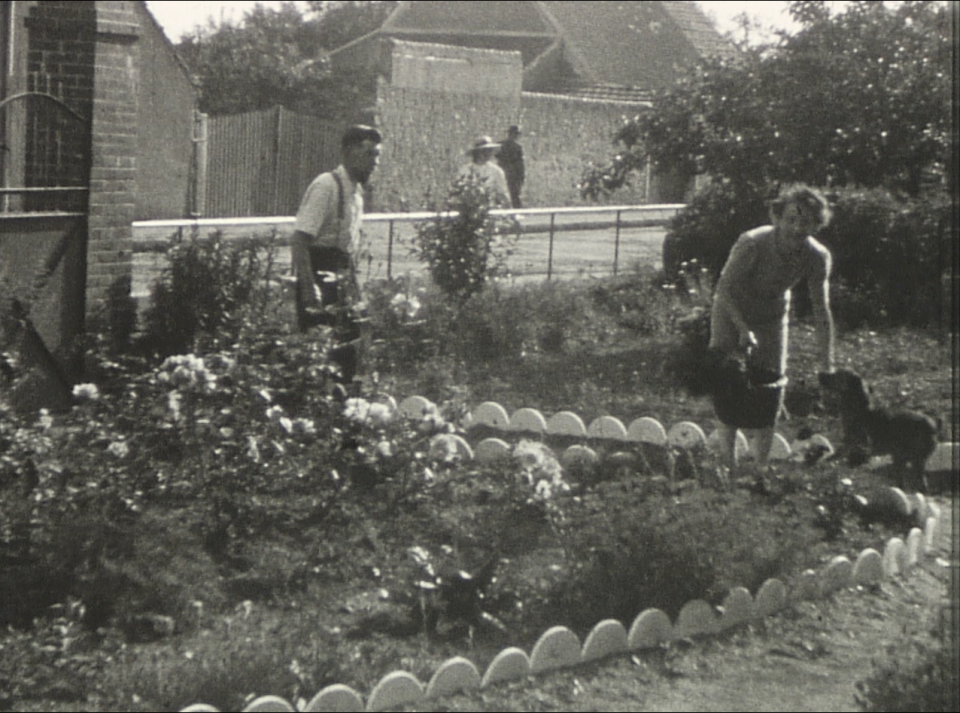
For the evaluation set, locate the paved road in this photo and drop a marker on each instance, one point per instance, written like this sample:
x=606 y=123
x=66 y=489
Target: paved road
x=583 y=246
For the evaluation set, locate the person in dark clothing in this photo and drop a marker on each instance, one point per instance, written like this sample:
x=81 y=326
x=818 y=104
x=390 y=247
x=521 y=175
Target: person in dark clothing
x=510 y=159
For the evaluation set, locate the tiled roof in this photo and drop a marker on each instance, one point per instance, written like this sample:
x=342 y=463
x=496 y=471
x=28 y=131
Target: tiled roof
x=699 y=30
x=609 y=92
x=639 y=44
x=468 y=17
x=603 y=49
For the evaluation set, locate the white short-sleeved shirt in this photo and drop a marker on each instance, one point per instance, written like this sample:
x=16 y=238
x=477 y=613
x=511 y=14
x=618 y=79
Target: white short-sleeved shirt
x=494 y=176
x=318 y=215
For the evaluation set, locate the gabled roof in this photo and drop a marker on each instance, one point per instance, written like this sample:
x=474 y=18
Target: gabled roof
x=635 y=44
x=519 y=26
x=565 y=46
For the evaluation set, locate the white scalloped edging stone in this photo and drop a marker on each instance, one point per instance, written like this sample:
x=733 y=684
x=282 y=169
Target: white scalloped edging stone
x=491 y=449
x=868 y=569
x=416 y=407
x=838 y=575
x=607 y=427
x=511 y=664
x=930 y=528
x=396 y=689
x=557 y=647
x=578 y=457
x=566 y=423
x=914 y=547
x=780 y=448
x=894 y=556
x=647 y=430
x=528 y=420
x=455 y=675
x=607 y=638
x=901 y=501
x=338 y=697
x=449 y=443
x=741 y=444
x=771 y=597
x=737 y=608
x=200 y=708
x=269 y=704
x=686 y=435
x=696 y=618
x=649 y=630
x=492 y=414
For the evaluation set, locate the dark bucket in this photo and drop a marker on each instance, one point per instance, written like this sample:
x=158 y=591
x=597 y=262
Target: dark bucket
x=748 y=398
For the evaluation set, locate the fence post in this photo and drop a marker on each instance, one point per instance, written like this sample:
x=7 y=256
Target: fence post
x=200 y=136
x=550 y=253
x=390 y=252
x=616 y=246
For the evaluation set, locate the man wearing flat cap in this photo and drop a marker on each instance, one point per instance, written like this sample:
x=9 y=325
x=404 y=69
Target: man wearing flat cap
x=325 y=240
x=483 y=167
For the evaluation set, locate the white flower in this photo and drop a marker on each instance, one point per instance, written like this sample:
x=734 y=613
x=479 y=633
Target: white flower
x=379 y=414
x=86 y=392
x=274 y=413
x=118 y=449
x=45 y=419
x=385 y=449
x=413 y=307
x=356 y=409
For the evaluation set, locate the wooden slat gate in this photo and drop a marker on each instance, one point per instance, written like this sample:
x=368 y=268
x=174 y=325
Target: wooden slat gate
x=44 y=188
x=260 y=162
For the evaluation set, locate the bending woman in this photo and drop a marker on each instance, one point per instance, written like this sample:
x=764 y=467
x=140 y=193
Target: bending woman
x=751 y=306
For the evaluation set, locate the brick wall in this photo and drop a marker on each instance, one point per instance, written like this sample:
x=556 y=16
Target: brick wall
x=113 y=169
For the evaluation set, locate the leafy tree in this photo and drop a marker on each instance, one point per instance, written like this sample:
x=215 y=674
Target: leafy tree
x=277 y=57
x=860 y=97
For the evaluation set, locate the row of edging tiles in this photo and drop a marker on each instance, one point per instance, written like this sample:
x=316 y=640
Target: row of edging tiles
x=684 y=435
x=560 y=648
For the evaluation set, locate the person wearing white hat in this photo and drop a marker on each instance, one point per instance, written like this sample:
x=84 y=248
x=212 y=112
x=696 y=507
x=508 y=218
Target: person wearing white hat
x=483 y=167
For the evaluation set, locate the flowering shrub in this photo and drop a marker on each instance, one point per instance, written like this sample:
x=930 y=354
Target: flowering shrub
x=470 y=249
x=540 y=470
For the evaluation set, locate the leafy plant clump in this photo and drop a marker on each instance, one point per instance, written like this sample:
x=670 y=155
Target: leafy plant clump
x=210 y=290
x=468 y=250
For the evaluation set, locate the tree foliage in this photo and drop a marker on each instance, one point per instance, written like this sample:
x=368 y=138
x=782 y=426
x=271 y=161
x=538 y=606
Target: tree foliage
x=277 y=57
x=859 y=97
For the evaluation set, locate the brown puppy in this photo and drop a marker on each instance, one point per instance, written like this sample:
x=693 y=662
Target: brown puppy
x=910 y=437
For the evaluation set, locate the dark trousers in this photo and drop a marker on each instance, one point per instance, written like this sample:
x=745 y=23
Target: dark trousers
x=514 y=188
x=333 y=293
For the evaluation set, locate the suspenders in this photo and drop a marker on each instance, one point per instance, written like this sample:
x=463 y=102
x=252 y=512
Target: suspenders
x=340 y=210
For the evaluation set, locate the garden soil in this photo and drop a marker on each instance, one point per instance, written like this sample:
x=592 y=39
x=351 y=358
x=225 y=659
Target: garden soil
x=808 y=658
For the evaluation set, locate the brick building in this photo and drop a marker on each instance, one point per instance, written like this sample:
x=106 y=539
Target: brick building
x=96 y=122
